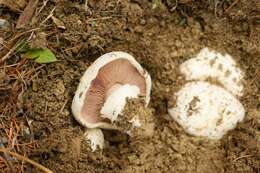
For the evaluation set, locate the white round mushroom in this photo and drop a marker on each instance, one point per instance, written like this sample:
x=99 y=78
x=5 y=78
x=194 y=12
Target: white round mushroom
x=104 y=87
x=211 y=64
x=203 y=109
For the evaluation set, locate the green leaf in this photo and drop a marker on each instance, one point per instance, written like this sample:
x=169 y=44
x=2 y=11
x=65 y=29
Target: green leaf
x=41 y=56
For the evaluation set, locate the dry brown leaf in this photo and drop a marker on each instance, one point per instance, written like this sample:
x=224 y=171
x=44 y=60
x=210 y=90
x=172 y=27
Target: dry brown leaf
x=58 y=22
x=27 y=14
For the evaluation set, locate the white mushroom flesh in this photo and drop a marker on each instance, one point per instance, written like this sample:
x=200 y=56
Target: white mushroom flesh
x=206 y=110
x=211 y=64
x=116 y=101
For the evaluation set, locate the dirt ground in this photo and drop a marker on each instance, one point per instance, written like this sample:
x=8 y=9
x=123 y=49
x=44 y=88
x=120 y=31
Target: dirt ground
x=35 y=99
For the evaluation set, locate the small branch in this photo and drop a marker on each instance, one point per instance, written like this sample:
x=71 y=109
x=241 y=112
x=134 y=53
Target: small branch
x=42 y=7
x=17 y=44
x=22 y=158
x=49 y=16
x=7 y=163
x=238 y=158
x=13 y=50
x=63 y=106
x=97 y=19
x=10 y=52
x=232 y=5
x=175 y=6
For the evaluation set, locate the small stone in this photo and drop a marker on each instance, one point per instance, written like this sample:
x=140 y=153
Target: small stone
x=63 y=148
x=3 y=140
x=162 y=23
x=138 y=29
x=60 y=88
x=142 y=21
x=4 y=24
x=34 y=86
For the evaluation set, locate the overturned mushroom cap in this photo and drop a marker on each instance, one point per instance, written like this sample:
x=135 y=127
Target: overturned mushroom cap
x=211 y=64
x=106 y=84
x=206 y=110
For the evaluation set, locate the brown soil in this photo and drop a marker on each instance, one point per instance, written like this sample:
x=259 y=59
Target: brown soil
x=160 y=39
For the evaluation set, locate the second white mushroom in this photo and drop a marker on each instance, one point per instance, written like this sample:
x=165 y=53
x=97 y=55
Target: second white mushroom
x=206 y=109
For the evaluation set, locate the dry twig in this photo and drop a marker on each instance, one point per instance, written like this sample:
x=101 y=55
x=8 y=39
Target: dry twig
x=232 y=5
x=22 y=158
x=245 y=156
x=10 y=51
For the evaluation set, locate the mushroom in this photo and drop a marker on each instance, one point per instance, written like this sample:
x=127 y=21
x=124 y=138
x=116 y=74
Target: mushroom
x=203 y=109
x=211 y=64
x=95 y=138
x=102 y=92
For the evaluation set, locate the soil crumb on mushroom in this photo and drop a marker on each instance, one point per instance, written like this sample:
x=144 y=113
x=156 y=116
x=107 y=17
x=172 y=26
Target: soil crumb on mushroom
x=136 y=119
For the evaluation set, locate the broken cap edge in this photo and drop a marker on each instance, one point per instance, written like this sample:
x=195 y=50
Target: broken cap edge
x=91 y=73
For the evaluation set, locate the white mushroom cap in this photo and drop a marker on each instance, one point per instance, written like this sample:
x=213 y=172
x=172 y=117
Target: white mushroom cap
x=215 y=65
x=95 y=138
x=206 y=110
x=111 y=70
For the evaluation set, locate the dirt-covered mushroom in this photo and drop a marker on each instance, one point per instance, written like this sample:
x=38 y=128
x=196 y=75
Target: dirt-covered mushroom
x=95 y=138
x=103 y=89
x=203 y=109
x=211 y=64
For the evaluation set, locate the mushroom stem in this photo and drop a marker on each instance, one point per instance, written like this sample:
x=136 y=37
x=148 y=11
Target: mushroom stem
x=95 y=138
x=116 y=100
